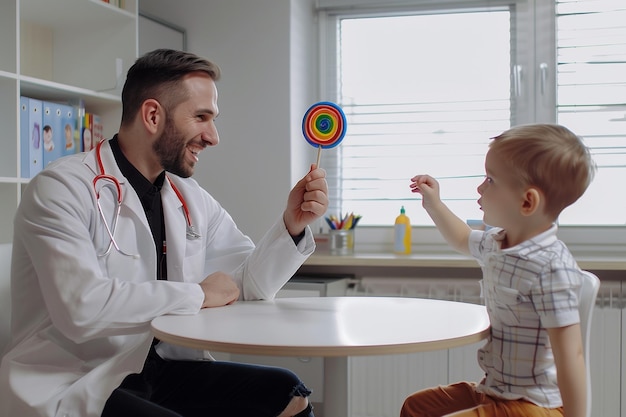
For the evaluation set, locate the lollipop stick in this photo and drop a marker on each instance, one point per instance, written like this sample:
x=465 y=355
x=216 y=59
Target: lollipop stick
x=319 y=155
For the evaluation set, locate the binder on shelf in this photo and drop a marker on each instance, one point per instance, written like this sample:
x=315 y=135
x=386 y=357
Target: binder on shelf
x=68 y=123
x=97 y=129
x=52 y=132
x=31 y=139
x=79 y=117
x=24 y=107
x=92 y=131
x=86 y=136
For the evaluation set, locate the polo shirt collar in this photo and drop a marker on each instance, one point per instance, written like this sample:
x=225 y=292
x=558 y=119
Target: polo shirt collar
x=527 y=247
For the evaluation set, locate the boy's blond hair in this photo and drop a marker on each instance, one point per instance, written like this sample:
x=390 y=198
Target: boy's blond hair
x=549 y=157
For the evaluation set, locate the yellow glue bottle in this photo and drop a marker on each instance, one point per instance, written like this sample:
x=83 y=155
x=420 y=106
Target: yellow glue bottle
x=402 y=234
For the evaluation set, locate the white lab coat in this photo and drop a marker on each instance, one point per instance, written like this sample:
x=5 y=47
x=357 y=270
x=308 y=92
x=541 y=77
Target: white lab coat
x=81 y=323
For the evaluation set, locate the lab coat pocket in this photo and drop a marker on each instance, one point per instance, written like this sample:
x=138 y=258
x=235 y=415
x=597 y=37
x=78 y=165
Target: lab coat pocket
x=509 y=305
x=123 y=267
x=193 y=267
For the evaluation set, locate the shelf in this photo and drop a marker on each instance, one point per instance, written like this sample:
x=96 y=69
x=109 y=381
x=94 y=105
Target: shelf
x=53 y=91
x=13 y=180
x=63 y=51
x=8 y=75
x=85 y=14
x=82 y=43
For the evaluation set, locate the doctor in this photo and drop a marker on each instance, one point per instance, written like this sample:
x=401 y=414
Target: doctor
x=108 y=240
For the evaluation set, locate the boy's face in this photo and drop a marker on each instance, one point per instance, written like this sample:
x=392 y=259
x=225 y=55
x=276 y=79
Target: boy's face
x=500 y=199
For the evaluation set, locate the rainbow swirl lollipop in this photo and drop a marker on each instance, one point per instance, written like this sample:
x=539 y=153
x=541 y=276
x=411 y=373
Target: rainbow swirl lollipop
x=324 y=126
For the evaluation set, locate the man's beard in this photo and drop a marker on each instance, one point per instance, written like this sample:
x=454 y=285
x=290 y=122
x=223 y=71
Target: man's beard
x=170 y=147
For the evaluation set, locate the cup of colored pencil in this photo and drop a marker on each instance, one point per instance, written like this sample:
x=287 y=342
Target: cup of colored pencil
x=347 y=222
x=341 y=233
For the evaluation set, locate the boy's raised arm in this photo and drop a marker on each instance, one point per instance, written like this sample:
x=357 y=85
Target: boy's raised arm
x=454 y=230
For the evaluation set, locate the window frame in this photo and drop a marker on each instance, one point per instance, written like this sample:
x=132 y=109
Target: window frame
x=535 y=59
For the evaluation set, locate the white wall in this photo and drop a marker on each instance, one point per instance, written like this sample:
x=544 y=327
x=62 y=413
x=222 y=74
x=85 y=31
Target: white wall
x=268 y=82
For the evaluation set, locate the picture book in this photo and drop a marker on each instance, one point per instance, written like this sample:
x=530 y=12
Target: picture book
x=97 y=129
x=68 y=124
x=34 y=154
x=86 y=137
x=24 y=108
x=52 y=133
x=79 y=117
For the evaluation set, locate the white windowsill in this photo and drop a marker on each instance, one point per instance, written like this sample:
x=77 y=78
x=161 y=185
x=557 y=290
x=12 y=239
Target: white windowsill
x=595 y=248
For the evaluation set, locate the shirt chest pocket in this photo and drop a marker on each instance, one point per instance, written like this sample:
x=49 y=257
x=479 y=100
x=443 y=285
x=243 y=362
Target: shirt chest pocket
x=510 y=305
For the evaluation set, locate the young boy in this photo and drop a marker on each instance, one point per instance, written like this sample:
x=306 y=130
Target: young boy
x=533 y=360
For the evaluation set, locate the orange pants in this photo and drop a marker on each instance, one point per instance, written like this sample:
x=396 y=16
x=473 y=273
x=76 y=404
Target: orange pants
x=462 y=400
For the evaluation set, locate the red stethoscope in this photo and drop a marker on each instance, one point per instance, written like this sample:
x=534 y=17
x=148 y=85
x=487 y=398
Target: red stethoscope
x=103 y=180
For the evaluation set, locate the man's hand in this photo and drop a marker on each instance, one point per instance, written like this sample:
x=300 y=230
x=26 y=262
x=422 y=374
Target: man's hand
x=219 y=290
x=307 y=201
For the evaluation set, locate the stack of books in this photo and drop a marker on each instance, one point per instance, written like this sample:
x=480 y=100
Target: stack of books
x=119 y=3
x=50 y=130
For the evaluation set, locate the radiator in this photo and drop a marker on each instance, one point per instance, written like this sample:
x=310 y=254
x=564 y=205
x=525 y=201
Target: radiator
x=379 y=384
x=607 y=356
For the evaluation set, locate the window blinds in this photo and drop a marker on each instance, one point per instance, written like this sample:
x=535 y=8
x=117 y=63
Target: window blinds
x=591 y=99
x=422 y=94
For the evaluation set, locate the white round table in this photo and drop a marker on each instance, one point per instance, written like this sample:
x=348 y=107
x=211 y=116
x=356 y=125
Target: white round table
x=332 y=327
x=328 y=326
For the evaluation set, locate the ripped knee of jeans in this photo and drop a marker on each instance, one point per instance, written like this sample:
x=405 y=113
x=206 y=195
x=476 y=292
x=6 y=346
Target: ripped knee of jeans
x=301 y=390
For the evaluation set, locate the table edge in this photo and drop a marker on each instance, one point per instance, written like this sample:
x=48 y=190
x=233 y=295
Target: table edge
x=321 y=351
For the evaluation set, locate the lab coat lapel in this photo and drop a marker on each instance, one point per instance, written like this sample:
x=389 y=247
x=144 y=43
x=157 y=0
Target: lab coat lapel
x=175 y=231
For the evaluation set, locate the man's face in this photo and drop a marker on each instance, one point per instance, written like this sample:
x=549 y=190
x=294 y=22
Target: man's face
x=189 y=127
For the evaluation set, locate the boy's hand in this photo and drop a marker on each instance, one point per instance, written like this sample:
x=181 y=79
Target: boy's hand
x=428 y=187
x=453 y=229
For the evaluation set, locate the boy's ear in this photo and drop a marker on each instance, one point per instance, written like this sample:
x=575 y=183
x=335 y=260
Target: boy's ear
x=531 y=202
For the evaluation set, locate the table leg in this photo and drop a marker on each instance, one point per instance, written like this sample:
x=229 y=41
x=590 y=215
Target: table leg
x=336 y=387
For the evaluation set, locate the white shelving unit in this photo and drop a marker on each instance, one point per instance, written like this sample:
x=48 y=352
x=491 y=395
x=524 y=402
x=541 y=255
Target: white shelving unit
x=62 y=51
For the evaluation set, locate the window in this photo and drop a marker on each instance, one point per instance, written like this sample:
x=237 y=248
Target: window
x=425 y=88
x=591 y=99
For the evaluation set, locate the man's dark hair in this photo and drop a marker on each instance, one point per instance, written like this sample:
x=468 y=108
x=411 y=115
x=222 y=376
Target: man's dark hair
x=158 y=75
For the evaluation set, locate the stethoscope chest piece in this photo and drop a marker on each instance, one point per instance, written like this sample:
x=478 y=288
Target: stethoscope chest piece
x=191 y=233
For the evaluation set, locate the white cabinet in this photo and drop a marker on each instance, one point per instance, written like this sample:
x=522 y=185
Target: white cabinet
x=60 y=51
